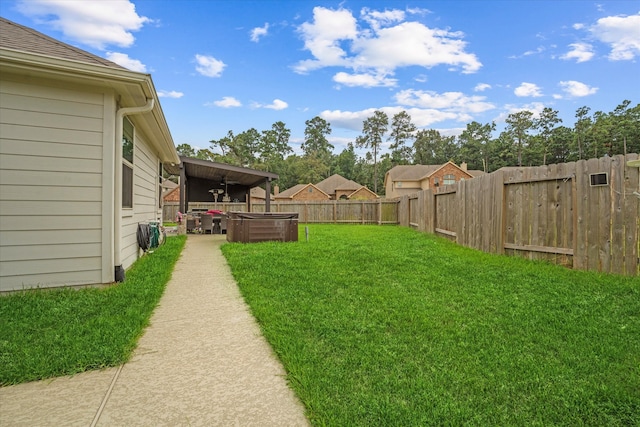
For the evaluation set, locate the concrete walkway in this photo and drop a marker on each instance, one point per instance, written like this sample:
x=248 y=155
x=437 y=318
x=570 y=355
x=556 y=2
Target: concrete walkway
x=201 y=362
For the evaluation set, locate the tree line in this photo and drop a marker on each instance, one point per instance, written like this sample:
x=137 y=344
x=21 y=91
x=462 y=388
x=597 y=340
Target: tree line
x=527 y=140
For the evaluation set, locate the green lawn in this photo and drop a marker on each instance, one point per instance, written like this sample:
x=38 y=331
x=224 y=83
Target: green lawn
x=48 y=333
x=384 y=326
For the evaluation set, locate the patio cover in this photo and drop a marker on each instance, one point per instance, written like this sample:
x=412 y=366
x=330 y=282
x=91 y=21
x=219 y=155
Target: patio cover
x=218 y=175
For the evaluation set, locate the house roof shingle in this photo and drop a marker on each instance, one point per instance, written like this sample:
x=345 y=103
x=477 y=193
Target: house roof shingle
x=411 y=172
x=289 y=192
x=337 y=182
x=18 y=37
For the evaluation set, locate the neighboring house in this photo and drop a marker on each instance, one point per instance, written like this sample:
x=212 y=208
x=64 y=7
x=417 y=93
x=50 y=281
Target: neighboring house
x=336 y=187
x=341 y=188
x=82 y=144
x=172 y=195
x=168 y=186
x=302 y=192
x=259 y=195
x=407 y=179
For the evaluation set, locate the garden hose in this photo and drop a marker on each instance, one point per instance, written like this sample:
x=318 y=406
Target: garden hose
x=154 y=240
x=143 y=234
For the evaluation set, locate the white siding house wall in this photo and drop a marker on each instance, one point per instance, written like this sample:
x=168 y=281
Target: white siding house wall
x=145 y=196
x=52 y=158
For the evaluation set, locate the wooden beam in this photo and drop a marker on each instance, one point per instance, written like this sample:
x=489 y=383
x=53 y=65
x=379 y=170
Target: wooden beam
x=447 y=232
x=534 y=248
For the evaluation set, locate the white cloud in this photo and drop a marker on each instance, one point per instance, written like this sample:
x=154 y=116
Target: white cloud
x=93 y=23
x=364 y=80
x=209 y=66
x=170 y=94
x=622 y=33
x=421 y=117
x=455 y=102
x=576 y=89
x=322 y=38
x=258 y=32
x=124 y=60
x=379 y=19
x=277 y=104
x=481 y=87
x=535 y=107
x=424 y=107
x=418 y=11
x=227 y=102
x=335 y=39
x=581 y=52
x=528 y=89
x=411 y=44
x=536 y=51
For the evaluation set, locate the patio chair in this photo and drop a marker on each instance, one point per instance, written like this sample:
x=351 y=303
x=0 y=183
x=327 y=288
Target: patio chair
x=223 y=224
x=206 y=223
x=191 y=225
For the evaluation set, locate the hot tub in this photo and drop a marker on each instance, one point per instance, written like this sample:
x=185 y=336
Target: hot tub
x=247 y=227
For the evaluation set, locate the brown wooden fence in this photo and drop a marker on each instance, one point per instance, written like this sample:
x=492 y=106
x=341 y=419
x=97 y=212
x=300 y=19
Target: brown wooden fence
x=548 y=212
x=584 y=214
x=347 y=212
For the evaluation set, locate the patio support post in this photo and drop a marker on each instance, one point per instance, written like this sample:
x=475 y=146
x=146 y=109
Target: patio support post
x=183 y=188
x=267 y=198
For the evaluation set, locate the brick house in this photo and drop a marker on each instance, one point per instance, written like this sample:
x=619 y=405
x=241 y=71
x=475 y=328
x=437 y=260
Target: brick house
x=302 y=192
x=336 y=187
x=341 y=188
x=407 y=179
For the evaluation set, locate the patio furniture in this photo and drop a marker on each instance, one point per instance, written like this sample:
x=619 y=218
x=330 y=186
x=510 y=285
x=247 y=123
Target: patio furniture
x=191 y=225
x=223 y=224
x=206 y=223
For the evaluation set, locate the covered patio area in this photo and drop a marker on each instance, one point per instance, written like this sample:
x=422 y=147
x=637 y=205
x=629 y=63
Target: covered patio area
x=205 y=181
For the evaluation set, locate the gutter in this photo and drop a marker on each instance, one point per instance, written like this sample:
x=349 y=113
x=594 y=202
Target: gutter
x=117 y=202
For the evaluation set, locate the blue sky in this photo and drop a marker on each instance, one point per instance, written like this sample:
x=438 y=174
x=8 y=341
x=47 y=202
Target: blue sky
x=233 y=65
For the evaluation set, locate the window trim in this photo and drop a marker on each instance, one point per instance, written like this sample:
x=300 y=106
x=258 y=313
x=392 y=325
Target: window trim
x=128 y=191
x=448 y=179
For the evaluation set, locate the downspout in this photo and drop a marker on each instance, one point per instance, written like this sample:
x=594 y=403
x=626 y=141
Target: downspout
x=117 y=203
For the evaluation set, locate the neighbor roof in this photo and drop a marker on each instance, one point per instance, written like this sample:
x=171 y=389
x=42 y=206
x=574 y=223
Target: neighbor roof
x=337 y=182
x=411 y=172
x=290 y=192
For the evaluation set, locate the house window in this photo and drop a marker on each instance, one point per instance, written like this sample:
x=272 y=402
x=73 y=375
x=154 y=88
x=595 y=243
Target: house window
x=310 y=190
x=127 y=164
x=449 y=179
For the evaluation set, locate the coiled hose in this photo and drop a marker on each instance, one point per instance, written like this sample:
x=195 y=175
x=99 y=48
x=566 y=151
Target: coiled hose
x=143 y=234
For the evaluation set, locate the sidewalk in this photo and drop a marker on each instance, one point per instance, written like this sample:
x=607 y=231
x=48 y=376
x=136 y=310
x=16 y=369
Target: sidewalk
x=201 y=362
